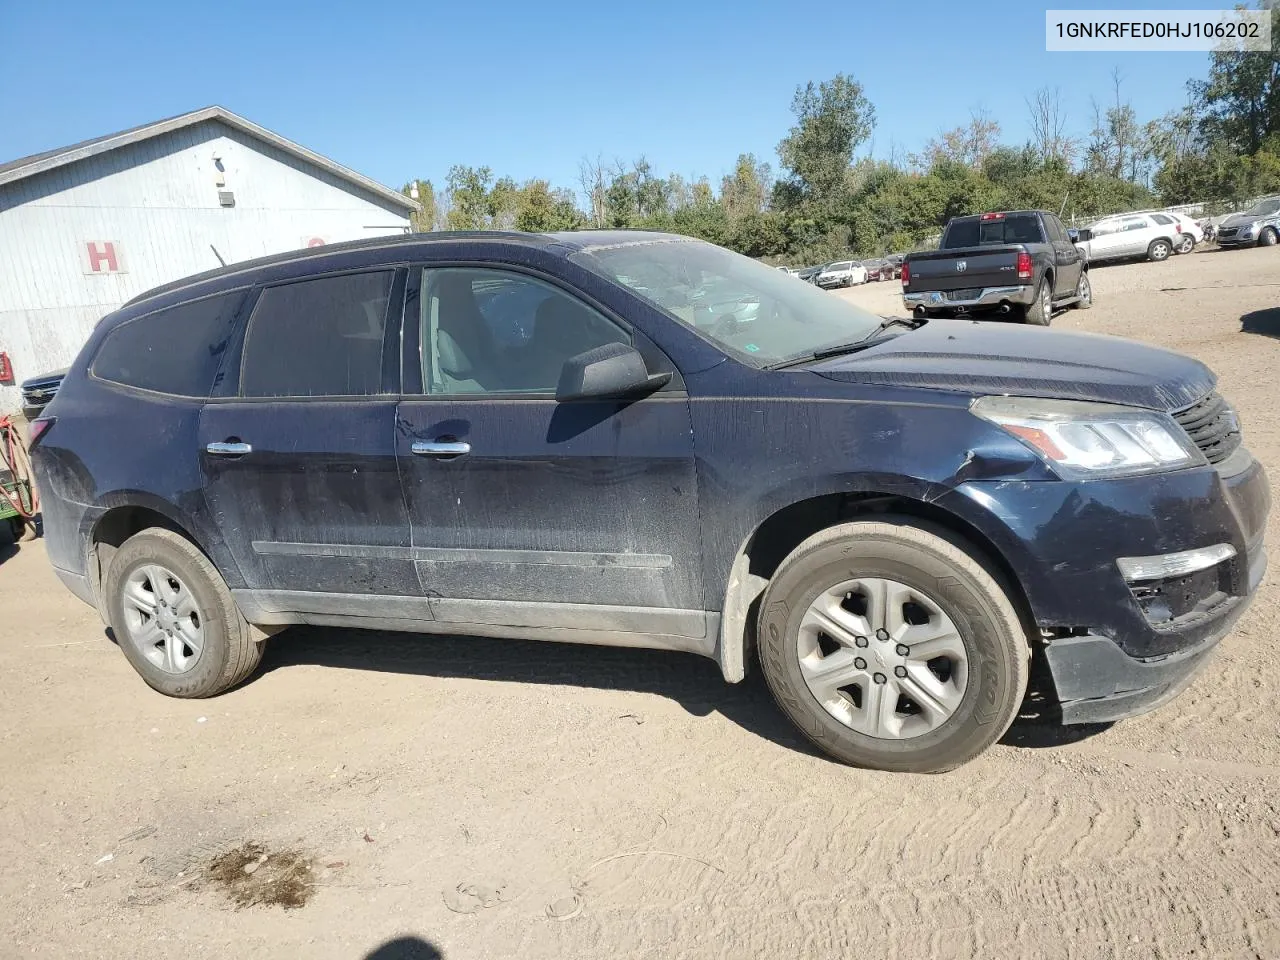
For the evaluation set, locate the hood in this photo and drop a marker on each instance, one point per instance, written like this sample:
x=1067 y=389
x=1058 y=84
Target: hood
x=1240 y=219
x=50 y=379
x=969 y=357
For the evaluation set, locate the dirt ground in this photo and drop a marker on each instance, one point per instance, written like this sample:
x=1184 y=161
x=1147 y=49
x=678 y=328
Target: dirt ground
x=391 y=796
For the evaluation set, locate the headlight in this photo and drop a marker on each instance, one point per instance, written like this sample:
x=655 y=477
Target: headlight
x=1084 y=441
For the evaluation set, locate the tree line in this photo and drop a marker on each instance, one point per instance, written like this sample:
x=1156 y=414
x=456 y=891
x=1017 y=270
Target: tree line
x=826 y=203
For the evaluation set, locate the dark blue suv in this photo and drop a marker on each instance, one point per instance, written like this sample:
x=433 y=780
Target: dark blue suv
x=644 y=440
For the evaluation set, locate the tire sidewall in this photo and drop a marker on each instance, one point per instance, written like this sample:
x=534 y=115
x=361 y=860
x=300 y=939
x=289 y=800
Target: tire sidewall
x=211 y=666
x=1086 y=285
x=993 y=692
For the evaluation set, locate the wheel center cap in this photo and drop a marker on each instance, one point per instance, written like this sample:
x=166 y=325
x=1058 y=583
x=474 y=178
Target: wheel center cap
x=166 y=619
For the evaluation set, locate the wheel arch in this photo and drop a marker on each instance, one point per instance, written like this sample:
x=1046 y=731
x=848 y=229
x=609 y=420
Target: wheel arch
x=125 y=514
x=781 y=531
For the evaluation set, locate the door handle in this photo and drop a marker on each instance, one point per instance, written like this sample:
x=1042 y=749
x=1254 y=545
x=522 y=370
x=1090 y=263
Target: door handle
x=229 y=449
x=444 y=449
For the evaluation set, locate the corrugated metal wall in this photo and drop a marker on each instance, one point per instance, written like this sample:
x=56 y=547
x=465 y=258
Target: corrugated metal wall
x=157 y=203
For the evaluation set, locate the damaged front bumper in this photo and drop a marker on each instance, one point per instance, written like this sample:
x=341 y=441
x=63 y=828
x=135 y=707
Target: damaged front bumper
x=1118 y=647
x=1097 y=682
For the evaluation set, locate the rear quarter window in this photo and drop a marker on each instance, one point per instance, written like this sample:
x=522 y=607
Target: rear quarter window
x=178 y=350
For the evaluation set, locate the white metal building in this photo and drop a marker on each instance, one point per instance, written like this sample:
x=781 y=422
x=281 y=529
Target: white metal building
x=87 y=227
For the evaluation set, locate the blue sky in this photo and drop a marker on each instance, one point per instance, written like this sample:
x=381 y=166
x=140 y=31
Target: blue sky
x=398 y=90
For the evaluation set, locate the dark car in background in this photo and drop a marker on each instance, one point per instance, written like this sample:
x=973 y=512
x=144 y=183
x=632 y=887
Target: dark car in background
x=878 y=269
x=38 y=391
x=562 y=437
x=810 y=274
x=1258 y=226
x=1018 y=264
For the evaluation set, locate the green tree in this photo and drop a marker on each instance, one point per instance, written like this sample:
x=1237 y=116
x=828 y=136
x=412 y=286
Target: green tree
x=468 y=191
x=832 y=119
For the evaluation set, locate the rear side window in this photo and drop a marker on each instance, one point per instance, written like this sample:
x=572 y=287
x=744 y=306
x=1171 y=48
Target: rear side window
x=176 y=351
x=318 y=338
x=1018 y=228
x=1162 y=219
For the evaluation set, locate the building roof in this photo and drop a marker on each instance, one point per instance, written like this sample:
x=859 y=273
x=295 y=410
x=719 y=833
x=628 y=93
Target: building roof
x=51 y=159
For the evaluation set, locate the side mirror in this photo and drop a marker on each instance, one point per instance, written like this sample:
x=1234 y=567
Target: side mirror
x=613 y=371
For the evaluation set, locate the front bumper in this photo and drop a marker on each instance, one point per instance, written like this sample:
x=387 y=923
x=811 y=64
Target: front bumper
x=985 y=298
x=1238 y=239
x=1097 y=682
x=1111 y=651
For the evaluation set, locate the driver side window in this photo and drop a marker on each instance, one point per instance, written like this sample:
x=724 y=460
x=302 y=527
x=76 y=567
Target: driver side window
x=494 y=331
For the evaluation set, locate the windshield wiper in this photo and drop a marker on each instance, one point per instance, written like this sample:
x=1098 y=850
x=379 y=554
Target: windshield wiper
x=871 y=339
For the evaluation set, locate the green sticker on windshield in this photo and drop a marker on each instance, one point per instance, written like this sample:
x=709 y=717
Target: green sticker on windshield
x=751 y=348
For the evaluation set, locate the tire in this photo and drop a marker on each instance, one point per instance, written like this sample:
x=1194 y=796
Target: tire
x=1187 y=244
x=227 y=655
x=930 y=566
x=1267 y=238
x=1084 y=290
x=1039 y=313
x=1159 y=250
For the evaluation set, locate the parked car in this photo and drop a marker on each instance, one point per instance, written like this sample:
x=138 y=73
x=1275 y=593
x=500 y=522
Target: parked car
x=1257 y=226
x=38 y=391
x=789 y=271
x=895 y=261
x=1130 y=236
x=1191 y=232
x=810 y=274
x=1018 y=264
x=842 y=273
x=878 y=269
x=897 y=516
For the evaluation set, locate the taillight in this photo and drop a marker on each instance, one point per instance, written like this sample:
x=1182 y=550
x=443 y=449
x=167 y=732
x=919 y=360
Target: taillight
x=906 y=273
x=1024 y=266
x=38 y=429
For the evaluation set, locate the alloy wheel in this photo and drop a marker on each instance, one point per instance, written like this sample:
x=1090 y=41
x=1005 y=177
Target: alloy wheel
x=883 y=658
x=163 y=622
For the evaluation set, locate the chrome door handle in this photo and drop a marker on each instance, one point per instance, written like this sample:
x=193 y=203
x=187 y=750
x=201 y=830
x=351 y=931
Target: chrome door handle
x=440 y=448
x=229 y=449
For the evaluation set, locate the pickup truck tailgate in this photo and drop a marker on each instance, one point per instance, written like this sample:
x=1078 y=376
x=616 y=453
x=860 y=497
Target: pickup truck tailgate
x=966 y=268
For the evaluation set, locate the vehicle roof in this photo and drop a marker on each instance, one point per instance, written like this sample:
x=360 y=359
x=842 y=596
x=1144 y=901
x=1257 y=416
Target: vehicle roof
x=405 y=246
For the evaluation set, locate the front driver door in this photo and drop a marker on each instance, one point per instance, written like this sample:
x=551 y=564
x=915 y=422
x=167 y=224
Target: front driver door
x=563 y=520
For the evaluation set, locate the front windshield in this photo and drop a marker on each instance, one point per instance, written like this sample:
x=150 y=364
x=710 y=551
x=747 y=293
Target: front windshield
x=749 y=309
x=1266 y=208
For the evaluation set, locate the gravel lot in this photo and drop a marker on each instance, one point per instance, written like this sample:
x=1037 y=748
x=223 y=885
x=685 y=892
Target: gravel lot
x=481 y=798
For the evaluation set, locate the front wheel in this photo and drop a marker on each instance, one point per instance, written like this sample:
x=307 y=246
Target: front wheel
x=892 y=648
x=1187 y=243
x=1159 y=250
x=1267 y=238
x=175 y=619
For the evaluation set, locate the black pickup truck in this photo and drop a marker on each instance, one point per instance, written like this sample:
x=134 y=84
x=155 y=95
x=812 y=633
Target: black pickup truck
x=1018 y=264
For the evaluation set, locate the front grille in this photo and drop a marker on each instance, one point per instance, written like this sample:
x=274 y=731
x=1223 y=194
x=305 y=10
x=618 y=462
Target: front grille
x=1212 y=426
x=1228 y=232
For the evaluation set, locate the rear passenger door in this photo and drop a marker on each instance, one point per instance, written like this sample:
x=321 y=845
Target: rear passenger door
x=299 y=463
x=1066 y=258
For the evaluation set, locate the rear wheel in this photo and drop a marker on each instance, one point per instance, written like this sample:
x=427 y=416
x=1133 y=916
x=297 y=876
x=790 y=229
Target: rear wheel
x=1267 y=238
x=892 y=648
x=1187 y=243
x=1159 y=250
x=174 y=618
x=1039 y=313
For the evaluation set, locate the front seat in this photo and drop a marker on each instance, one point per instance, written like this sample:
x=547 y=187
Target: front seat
x=463 y=355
